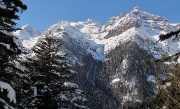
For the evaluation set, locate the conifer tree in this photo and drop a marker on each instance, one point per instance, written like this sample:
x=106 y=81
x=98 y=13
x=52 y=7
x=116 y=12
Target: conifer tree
x=168 y=96
x=9 y=10
x=169 y=89
x=10 y=74
x=49 y=74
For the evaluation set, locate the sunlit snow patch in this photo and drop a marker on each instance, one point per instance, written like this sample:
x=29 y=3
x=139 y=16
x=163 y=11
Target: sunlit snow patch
x=115 y=80
x=11 y=92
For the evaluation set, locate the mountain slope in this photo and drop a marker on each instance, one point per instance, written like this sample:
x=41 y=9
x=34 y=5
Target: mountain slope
x=27 y=36
x=146 y=27
x=109 y=58
x=27 y=32
x=98 y=39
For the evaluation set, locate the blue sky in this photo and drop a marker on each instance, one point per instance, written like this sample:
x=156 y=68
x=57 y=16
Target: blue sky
x=41 y=14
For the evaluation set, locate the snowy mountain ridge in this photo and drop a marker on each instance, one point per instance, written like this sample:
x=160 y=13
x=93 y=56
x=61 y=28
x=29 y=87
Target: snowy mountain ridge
x=27 y=32
x=28 y=36
x=81 y=33
x=138 y=26
x=109 y=58
x=147 y=27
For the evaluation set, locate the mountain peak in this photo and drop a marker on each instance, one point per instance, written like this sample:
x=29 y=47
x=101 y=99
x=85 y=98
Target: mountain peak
x=137 y=11
x=91 y=21
x=136 y=8
x=27 y=32
x=26 y=26
x=133 y=26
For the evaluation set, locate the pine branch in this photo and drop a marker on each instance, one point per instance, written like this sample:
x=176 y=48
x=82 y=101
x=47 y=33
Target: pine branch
x=167 y=58
x=11 y=29
x=163 y=37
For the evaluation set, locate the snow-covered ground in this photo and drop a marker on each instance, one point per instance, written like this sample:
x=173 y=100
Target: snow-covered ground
x=11 y=92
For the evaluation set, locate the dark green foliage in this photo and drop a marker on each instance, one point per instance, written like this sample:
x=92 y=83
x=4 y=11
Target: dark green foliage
x=126 y=62
x=88 y=75
x=49 y=72
x=168 y=96
x=10 y=71
x=9 y=48
x=163 y=37
x=9 y=13
x=164 y=59
x=168 y=89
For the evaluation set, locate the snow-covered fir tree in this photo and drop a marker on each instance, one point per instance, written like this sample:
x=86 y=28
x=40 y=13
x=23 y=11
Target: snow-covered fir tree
x=49 y=72
x=11 y=76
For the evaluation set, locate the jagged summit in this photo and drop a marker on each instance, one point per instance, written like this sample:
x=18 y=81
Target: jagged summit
x=90 y=20
x=28 y=36
x=140 y=27
x=90 y=34
x=136 y=8
x=27 y=32
x=138 y=13
x=26 y=26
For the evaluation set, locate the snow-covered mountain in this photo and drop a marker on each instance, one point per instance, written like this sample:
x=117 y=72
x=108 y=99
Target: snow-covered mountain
x=99 y=39
x=109 y=57
x=27 y=32
x=142 y=28
x=28 y=36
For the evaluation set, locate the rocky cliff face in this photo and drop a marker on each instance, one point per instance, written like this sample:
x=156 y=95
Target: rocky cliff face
x=110 y=58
